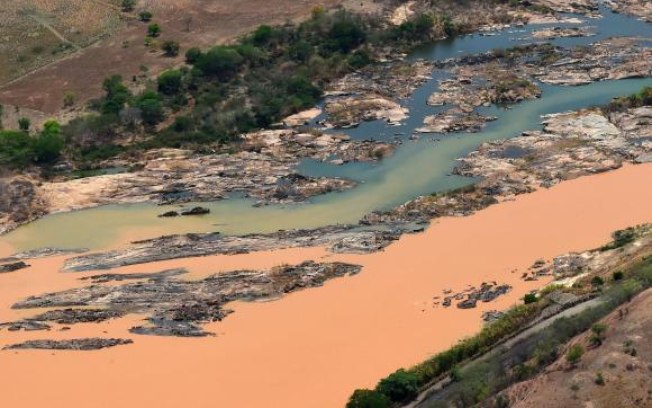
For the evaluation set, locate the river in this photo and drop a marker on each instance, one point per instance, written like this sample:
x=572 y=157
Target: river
x=417 y=168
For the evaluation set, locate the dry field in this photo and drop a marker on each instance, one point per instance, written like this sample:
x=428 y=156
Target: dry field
x=26 y=24
x=36 y=32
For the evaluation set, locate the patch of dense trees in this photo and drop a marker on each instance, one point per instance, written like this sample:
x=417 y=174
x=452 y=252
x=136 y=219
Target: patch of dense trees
x=20 y=149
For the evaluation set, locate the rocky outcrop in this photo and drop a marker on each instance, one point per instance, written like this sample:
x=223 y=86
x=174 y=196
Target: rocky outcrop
x=20 y=202
x=12 y=267
x=74 y=344
x=559 y=32
x=174 y=307
x=346 y=239
x=346 y=112
x=637 y=8
x=373 y=92
x=454 y=120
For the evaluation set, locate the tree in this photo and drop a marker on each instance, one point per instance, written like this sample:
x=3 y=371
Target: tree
x=151 y=109
x=16 y=148
x=400 y=386
x=117 y=94
x=346 y=35
x=171 y=48
x=153 y=30
x=192 y=55
x=262 y=35
x=575 y=354
x=145 y=16
x=170 y=82
x=24 y=124
x=222 y=62
x=128 y=5
x=49 y=143
x=368 y=399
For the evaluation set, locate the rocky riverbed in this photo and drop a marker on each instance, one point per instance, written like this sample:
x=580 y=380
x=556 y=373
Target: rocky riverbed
x=570 y=145
x=174 y=307
x=263 y=168
x=638 y=8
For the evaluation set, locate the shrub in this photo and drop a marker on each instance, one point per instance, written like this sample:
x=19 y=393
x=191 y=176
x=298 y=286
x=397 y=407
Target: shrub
x=145 y=16
x=618 y=276
x=530 y=298
x=68 y=98
x=153 y=30
x=599 y=379
x=575 y=354
x=24 y=124
x=598 y=333
x=171 y=48
x=128 y=5
x=621 y=238
x=401 y=386
x=368 y=399
x=597 y=281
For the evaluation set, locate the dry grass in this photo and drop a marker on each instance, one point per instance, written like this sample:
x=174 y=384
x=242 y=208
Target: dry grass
x=32 y=30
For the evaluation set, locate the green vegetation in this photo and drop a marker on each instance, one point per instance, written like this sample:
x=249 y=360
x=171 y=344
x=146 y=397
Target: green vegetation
x=574 y=354
x=24 y=124
x=599 y=378
x=171 y=48
x=128 y=5
x=530 y=298
x=642 y=98
x=68 y=99
x=598 y=331
x=19 y=149
x=368 y=399
x=401 y=386
x=621 y=238
x=597 y=282
x=153 y=30
x=145 y=16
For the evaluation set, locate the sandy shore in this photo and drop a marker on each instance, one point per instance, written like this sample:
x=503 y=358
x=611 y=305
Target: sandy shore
x=312 y=348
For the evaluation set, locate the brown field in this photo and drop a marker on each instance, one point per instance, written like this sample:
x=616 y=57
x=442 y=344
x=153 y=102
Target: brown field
x=28 y=28
x=37 y=32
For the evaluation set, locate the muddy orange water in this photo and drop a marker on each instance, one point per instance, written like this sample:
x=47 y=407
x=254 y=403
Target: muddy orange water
x=312 y=348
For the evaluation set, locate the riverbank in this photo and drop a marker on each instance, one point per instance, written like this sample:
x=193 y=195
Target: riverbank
x=333 y=335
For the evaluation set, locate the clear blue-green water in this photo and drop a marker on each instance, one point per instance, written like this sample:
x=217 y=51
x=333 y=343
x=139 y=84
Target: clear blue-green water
x=417 y=167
